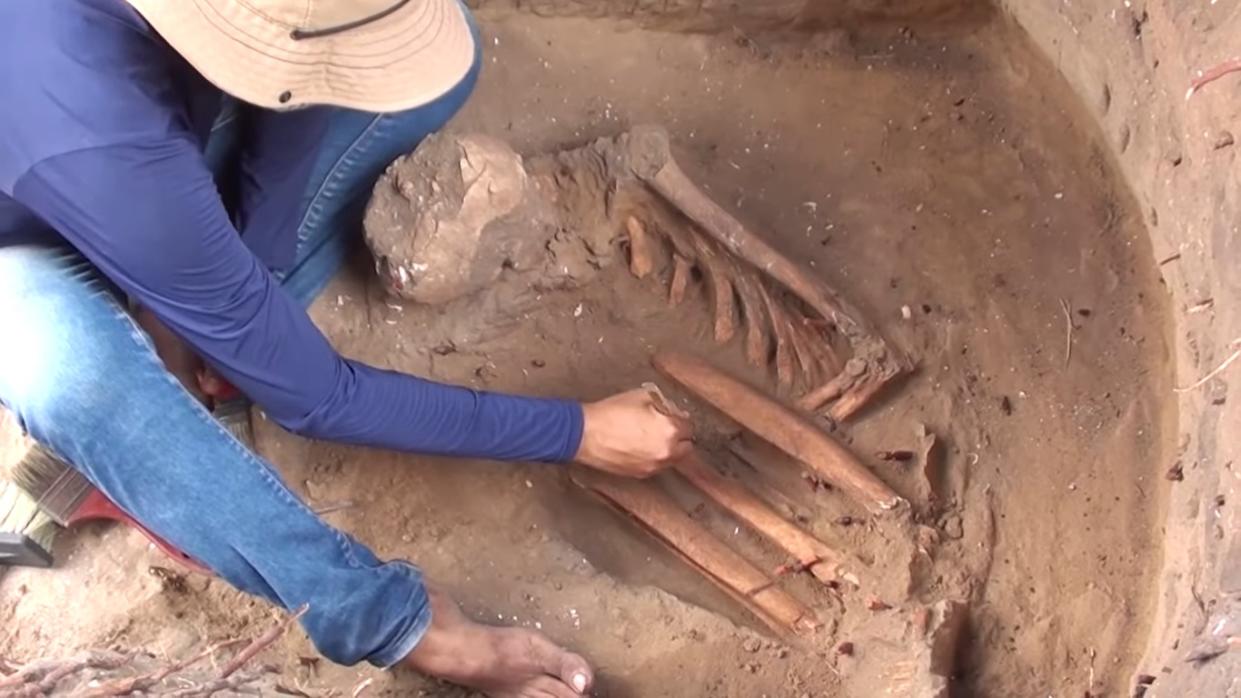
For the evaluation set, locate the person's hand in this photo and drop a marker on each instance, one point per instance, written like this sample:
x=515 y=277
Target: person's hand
x=178 y=357
x=632 y=434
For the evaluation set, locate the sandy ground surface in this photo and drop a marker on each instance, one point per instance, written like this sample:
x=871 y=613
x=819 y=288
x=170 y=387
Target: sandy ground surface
x=945 y=173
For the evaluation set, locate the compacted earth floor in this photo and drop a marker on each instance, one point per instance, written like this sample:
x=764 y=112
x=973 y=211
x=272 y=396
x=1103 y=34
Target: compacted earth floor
x=946 y=183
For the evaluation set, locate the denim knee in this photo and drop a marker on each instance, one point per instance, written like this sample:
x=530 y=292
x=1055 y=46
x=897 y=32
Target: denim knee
x=52 y=371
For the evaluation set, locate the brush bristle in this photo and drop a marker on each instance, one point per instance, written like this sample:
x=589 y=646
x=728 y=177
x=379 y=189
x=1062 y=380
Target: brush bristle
x=234 y=416
x=38 y=470
x=54 y=484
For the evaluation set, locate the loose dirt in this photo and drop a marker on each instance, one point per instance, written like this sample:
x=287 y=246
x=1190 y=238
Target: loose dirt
x=947 y=184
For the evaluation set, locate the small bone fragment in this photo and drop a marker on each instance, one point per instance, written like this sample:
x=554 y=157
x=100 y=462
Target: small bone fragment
x=680 y=280
x=928 y=673
x=855 y=398
x=782 y=330
x=641 y=254
x=834 y=388
x=947 y=620
x=930 y=465
x=810 y=553
x=781 y=426
x=649 y=506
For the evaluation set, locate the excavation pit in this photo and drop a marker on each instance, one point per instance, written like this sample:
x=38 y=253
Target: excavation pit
x=994 y=189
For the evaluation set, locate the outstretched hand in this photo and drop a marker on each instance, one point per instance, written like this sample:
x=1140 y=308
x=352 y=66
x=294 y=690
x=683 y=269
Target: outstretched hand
x=631 y=434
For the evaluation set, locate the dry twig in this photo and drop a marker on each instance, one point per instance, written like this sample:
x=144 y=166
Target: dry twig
x=361 y=688
x=334 y=507
x=209 y=688
x=40 y=677
x=1068 y=330
x=261 y=642
x=142 y=682
x=1212 y=74
x=1218 y=369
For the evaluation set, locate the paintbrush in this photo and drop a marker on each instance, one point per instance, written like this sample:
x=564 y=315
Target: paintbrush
x=228 y=405
x=26 y=533
x=69 y=498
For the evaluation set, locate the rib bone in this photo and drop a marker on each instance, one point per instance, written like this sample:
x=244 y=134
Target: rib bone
x=651 y=159
x=756 y=339
x=641 y=256
x=723 y=295
x=783 y=332
x=682 y=270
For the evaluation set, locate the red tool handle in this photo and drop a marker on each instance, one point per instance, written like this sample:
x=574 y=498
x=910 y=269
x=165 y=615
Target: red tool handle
x=96 y=506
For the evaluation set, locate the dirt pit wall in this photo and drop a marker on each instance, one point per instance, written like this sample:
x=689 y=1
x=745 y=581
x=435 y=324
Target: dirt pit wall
x=719 y=15
x=1132 y=64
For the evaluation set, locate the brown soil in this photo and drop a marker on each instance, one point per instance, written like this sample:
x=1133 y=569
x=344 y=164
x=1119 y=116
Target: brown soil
x=950 y=173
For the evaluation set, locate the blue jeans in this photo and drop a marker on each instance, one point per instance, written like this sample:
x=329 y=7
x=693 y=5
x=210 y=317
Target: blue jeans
x=85 y=381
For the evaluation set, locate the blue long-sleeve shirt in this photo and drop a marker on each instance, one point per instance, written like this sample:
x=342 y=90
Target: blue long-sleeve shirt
x=102 y=129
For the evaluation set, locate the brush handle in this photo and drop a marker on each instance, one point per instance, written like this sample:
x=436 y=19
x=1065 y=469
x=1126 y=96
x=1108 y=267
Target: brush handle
x=98 y=507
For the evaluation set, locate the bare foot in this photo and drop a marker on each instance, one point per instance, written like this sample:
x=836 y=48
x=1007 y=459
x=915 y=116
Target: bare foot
x=500 y=662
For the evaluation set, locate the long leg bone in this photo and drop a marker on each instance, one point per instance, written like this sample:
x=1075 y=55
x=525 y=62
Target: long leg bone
x=737 y=576
x=780 y=426
x=810 y=553
x=650 y=156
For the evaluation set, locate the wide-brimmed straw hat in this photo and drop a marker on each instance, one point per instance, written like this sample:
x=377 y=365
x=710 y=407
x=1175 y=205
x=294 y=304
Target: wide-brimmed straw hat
x=373 y=55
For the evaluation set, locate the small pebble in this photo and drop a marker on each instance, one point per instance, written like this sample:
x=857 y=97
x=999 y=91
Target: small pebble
x=845 y=649
x=953 y=527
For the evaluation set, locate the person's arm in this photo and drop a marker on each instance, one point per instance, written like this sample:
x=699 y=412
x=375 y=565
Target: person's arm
x=150 y=218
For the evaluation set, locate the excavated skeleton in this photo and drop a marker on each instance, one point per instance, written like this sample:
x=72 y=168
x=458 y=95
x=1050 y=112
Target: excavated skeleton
x=465 y=218
x=449 y=219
